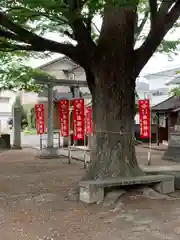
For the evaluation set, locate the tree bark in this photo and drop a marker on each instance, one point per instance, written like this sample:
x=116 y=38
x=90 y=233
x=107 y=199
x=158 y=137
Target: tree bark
x=113 y=152
x=113 y=95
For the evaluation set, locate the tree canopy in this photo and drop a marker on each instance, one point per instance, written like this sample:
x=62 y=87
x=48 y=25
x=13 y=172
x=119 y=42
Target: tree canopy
x=15 y=74
x=25 y=25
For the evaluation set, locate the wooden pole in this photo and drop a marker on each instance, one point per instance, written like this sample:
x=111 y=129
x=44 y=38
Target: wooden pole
x=157 y=135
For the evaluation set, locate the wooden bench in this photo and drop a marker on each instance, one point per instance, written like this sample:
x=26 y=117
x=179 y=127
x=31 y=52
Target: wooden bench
x=93 y=190
x=83 y=149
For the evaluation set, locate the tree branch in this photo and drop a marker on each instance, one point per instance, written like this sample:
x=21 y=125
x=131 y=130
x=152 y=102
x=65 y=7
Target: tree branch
x=90 y=79
x=81 y=32
x=75 y=4
x=97 y=29
x=9 y=35
x=165 y=6
x=157 y=33
x=153 y=11
x=8 y=47
x=35 y=13
x=88 y=24
x=141 y=26
x=36 y=41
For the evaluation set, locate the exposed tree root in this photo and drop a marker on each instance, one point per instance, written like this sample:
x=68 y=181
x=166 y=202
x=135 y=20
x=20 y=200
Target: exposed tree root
x=73 y=193
x=112 y=197
x=152 y=194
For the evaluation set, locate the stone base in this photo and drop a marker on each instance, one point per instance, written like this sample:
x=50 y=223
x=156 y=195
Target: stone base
x=91 y=194
x=177 y=181
x=65 y=142
x=165 y=187
x=172 y=154
x=14 y=147
x=49 y=153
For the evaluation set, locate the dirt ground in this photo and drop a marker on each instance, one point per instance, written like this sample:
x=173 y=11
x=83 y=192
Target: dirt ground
x=33 y=204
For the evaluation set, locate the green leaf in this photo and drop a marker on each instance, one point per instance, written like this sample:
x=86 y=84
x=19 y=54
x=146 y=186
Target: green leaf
x=175 y=91
x=168 y=46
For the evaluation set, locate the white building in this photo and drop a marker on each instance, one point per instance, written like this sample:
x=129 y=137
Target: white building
x=7 y=99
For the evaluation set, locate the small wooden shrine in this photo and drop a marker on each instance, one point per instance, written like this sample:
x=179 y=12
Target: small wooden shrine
x=168 y=126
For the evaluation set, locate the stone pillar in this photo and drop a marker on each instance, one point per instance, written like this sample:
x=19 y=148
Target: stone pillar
x=50 y=118
x=50 y=152
x=76 y=92
x=17 y=122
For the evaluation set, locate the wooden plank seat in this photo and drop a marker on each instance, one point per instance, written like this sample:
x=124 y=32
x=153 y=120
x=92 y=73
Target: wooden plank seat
x=84 y=149
x=93 y=190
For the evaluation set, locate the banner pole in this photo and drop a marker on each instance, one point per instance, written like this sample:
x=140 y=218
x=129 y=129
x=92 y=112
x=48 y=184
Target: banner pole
x=84 y=126
x=84 y=136
x=69 y=137
x=69 y=119
x=150 y=143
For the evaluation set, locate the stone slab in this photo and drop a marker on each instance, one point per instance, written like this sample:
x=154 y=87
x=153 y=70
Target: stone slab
x=49 y=153
x=173 y=170
x=93 y=190
x=165 y=187
x=126 y=181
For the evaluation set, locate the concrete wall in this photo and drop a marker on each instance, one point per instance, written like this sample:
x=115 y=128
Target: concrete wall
x=6 y=101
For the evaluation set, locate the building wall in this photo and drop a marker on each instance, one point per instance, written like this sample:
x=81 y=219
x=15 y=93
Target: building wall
x=29 y=98
x=56 y=68
x=6 y=102
x=7 y=99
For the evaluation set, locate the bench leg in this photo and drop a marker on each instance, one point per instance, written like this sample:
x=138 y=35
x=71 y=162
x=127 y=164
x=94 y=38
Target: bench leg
x=69 y=156
x=165 y=187
x=91 y=194
x=85 y=160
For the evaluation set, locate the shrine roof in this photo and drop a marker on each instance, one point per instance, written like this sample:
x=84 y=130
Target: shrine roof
x=169 y=104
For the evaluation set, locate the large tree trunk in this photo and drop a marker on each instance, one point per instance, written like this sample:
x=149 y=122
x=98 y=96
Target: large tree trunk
x=113 y=95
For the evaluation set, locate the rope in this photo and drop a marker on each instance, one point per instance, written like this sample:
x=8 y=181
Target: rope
x=120 y=132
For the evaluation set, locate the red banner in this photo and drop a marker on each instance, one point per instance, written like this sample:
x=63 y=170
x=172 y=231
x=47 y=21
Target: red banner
x=39 y=110
x=78 y=119
x=64 y=117
x=88 y=120
x=144 y=118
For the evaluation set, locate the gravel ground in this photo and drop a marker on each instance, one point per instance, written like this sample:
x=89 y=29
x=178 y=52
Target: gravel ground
x=33 y=205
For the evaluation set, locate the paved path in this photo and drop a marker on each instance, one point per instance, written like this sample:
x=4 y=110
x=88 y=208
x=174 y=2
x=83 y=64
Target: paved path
x=33 y=141
x=142 y=156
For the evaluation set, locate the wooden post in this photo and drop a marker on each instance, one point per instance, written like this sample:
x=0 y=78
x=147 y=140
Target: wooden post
x=157 y=135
